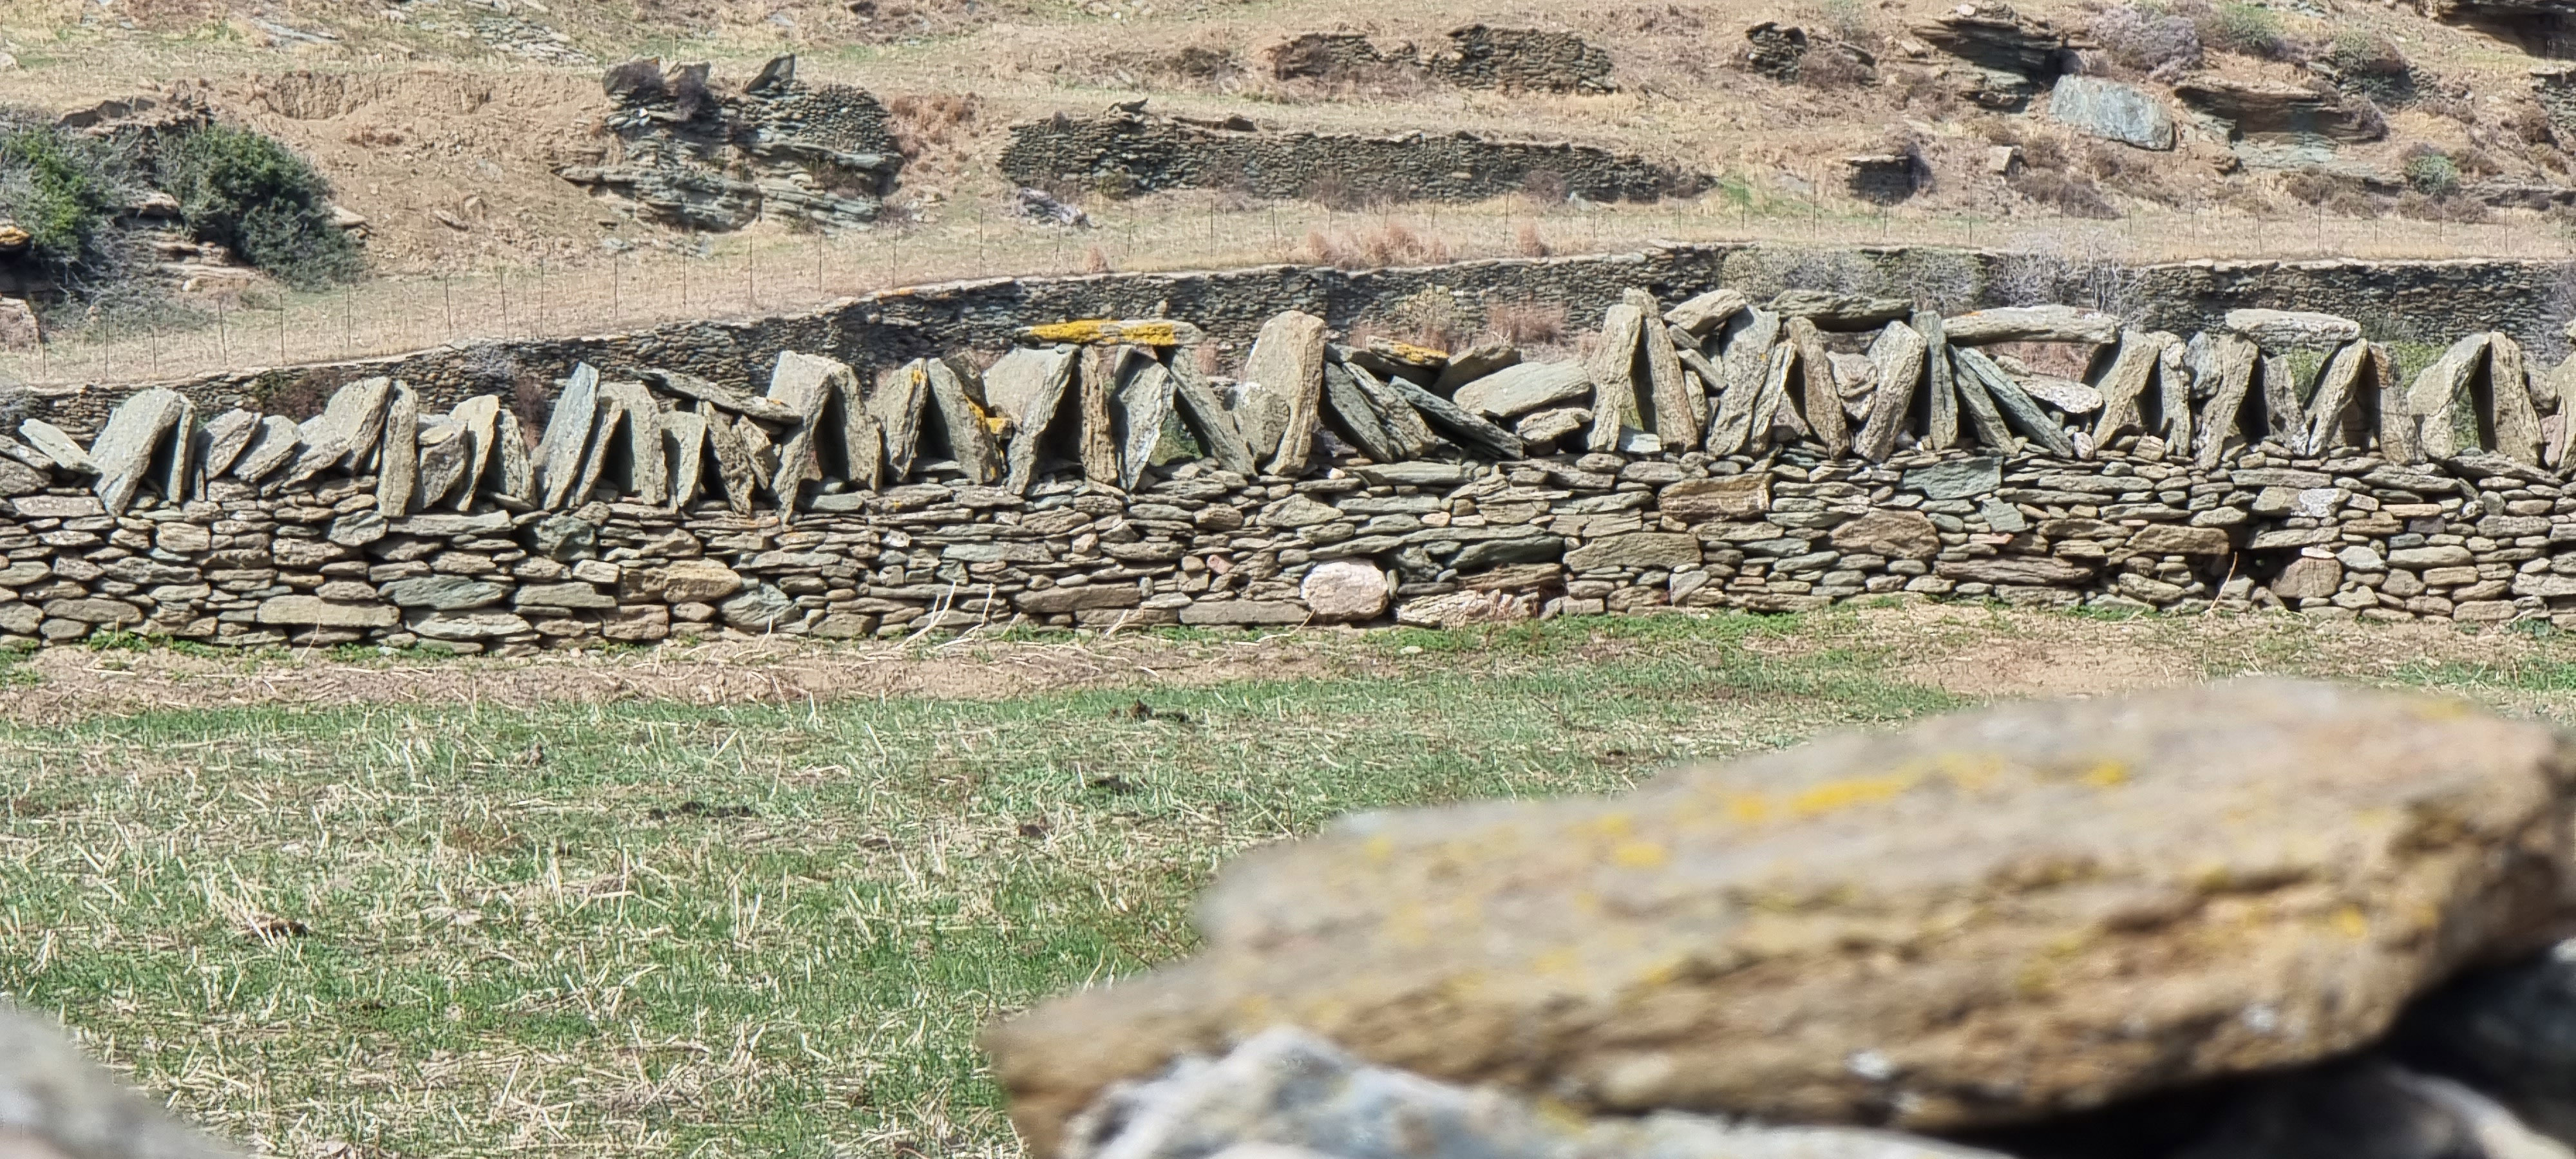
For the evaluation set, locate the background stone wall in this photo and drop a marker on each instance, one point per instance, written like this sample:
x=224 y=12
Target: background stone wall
x=2429 y=300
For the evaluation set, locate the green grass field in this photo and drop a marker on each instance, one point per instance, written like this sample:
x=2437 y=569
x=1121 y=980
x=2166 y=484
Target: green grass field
x=648 y=926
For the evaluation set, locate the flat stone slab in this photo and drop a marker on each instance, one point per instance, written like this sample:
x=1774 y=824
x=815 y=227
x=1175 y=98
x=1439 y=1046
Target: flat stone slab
x=1981 y=919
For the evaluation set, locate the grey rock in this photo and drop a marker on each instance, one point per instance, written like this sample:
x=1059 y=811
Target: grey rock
x=1027 y=387
x=2112 y=111
x=2031 y=324
x=960 y=419
x=54 y=1102
x=1414 y=474
x=1244 y=613
x=557 y=461
x=2278 y=330
x=446 y=593
x=1530 y=386
x=573 y=594
x=1549 y=425
x=61 y=448
x=398 y=476
x=134 y=435
x=1285 y=1093
x=1834 y=311
x=1345 y=591
x=314 y=611
x=277 y=441
x=1704 y=315
x=468 y=625
x=1282 y=391
x=762 y=608
x=227 y=436
x=1643 y=952
x=345 y=433
x=566 y=536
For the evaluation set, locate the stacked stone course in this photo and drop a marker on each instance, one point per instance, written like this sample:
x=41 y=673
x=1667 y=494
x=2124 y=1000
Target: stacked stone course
x=1094 y=478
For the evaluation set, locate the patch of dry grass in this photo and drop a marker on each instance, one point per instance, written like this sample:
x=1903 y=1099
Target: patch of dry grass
x=650 y=903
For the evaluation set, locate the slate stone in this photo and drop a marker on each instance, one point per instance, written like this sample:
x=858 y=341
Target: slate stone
x=65 y=451
x=1243 y=613
x=1639 y=549
x=1344 y=591
x=468 y=625
x=961 y=424
x=1955 y=478
x=445 y=593
x=2031 y=324
x=227 y=436
x=1282 y=391
x=557 y=463
x=1530 y=386
x=316 y=612
x=1027 y=386
x=1896 y=534
x=136 y=432
x=398 y=476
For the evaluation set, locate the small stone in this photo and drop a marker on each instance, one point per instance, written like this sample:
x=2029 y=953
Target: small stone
x=1897 y=534
x=2167 y=539
x=1530 y=386
x=1344 y=591
x=1955 y=479
x=314 y=611
x=443 y=592
x=681 y=581
x=2308 y=578
x=1466 y=609
x=1243 y=613
x=1745 y=496
x=1642 y=549
x=468 y=625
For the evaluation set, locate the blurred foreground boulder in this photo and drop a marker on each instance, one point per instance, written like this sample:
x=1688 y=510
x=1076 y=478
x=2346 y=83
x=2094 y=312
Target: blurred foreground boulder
x=55 y=1104
x=1981 y=920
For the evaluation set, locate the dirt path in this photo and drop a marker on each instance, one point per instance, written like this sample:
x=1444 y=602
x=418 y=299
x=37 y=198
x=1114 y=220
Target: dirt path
x=1976 y=652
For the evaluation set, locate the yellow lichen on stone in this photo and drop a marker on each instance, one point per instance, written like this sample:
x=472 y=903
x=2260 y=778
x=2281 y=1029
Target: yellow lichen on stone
x=2350 y=922
x=1414 y=355
x=1081 y=333
x=2107 y=774
x=1833 y=796
x=1148 y=333
x=1639 y=855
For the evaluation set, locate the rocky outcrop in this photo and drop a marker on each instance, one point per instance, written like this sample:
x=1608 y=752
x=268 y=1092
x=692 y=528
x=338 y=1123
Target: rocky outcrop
x=778 y=150
x=2004 y=57
x=1477 y=56
x=1129 y=153
x=2282 y=114
x=2097 y=900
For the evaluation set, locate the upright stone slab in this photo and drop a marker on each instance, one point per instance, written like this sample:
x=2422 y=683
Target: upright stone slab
x=1745 y=354
x=962 y=425
x=684 y=443
x=2561 y=387
x=1613 y=371
x=897 y=404
x=1822 y=400
x=2093 y=895
x=2174 y=385
x=2514 y=422
x=65 y=451
x=444 y=453
x=805 y=384
x=513 y=476
x=135 y=433
x=227 y=436
x=279 y=440
x=862 y=449
x=1027 y=386
x=2233 y=361
x=1897 y=357
x=345 y=433
x=478 y=422
x=1678 y=418
x=557 y=464
x=398 y=478
x=1096 y=440
x=1208 y=417
x=733 y=461
x=2337 y=387
x=2123 y=383
x=646 y=475
x=2434 y=398
x=1941 y=409
x=2283 y=418
x=1282 y=391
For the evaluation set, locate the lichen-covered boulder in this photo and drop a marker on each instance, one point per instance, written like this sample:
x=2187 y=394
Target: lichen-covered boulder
x=1981 y=919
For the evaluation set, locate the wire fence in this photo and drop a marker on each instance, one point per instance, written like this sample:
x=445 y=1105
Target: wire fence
x=743 y=277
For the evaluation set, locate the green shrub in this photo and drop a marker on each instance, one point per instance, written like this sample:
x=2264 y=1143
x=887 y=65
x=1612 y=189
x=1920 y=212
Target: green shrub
x=2247 y=28
x=244 y=190
x=64 y=189
x=2432 y=174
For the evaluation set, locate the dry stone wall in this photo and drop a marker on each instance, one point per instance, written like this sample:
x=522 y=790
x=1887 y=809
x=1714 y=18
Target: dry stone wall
x=1126 y=153
x=1716 y=454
